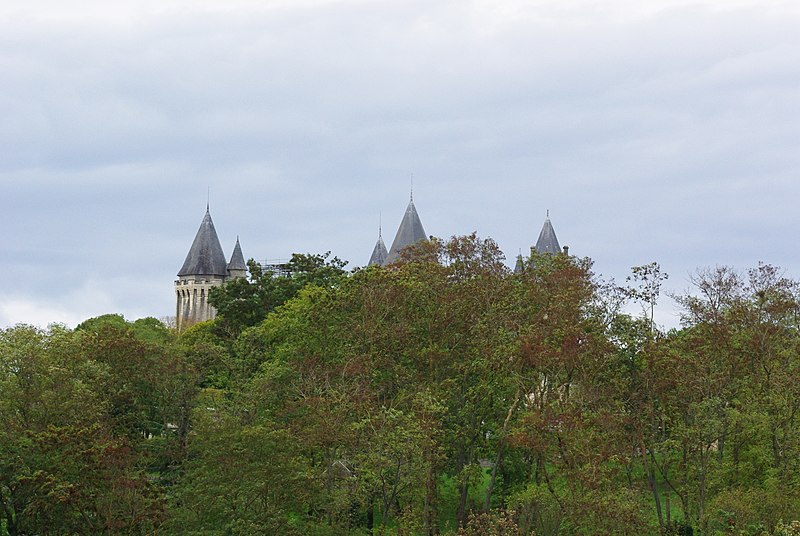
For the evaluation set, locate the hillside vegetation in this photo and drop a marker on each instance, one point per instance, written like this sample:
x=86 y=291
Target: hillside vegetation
x=443 y=394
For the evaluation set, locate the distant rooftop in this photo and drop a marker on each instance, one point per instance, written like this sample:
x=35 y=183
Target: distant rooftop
x=548 y=242
x=379 y=253
x=205 y=257
x=410 y=232
x=237 y=259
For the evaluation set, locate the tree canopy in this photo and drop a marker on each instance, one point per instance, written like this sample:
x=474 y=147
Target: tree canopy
x=443 y=394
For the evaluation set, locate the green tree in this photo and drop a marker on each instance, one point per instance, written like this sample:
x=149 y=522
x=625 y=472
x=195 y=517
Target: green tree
x=648 y=279
x=62 y=467
x=246 y=302
x=244 y=476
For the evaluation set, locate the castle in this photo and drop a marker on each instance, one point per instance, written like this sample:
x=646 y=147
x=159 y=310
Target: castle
x=205 y=266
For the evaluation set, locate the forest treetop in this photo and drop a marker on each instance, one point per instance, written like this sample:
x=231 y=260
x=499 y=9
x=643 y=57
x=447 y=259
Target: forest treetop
x=442 y=394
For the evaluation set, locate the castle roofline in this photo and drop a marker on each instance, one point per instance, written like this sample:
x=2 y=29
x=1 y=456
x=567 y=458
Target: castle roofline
x=379 y=253
x=237 y=259
x=205 y=257
x=410 y=232
x=547 y=242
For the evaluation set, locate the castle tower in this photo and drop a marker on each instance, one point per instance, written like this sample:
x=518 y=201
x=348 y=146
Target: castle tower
x=379 y=253
x=237 y=268
x=547 y=242
x=410 y=232
x=205 y=267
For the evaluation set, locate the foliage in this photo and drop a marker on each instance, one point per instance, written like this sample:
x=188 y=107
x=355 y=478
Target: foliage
x=441 y=394
x=242 y=478
x=246 y=302
x=73 y=418
x=490 y=524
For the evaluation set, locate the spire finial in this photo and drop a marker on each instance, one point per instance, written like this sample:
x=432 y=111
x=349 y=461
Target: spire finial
x=548 y=213
x=412 y=187
x=380 y=224
x=208 y=199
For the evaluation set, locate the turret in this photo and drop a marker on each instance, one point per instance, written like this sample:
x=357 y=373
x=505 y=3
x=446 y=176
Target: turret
x=410 y=232
x=205 y=267
x=547 y=242
x=237 y=267
x=379 y=252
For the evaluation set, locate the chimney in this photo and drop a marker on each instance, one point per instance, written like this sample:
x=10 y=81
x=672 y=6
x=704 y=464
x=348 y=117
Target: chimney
x=566 y=250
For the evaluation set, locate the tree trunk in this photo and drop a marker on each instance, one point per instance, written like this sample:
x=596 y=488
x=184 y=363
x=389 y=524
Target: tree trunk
x=651 y=478
x=537 y=475
x=8 y=515
x=703 y=469
x=430 y=517
x=776 y=450
x=370 y=514
x=501 y=447
x=461 y=513
x=629 y=468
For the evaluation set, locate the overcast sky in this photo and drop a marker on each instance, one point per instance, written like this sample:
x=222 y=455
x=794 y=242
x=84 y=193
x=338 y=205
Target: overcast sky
x=652 y=130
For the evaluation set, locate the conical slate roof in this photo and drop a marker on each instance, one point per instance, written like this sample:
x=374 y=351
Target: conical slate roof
x=379 y=253
x=410 y=232
x=237 y=259
x=547 y=243
x=205 y=256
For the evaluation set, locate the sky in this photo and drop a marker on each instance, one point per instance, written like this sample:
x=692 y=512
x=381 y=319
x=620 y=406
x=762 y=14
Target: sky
x=660 y=131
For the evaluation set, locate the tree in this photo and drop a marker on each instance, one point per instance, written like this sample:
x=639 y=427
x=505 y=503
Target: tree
x=63 y=469
x=245 y=476
x=719 y=398
x=245 y=302
x=648 y=279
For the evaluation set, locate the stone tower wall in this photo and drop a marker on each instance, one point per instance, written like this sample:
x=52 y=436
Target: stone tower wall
x=192 y=300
